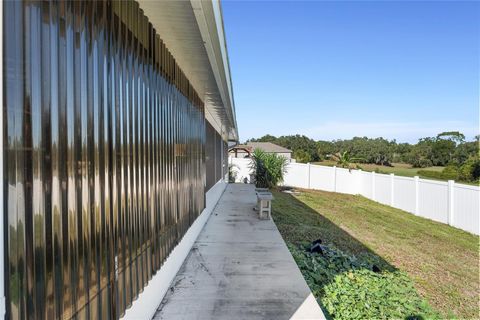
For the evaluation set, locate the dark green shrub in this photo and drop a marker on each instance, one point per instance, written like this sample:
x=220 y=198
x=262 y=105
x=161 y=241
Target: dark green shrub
x=436 y=175
x=470 y=170
x=421 y=163
x=232 y=173
x=302 y=156
x=450 y=173
x=268 y=168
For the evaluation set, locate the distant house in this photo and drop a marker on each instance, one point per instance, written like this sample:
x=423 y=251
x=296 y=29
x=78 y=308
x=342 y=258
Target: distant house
x=245 y=150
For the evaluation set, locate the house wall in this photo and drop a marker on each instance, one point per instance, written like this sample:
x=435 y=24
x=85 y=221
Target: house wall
x=287 y=155
x=104 y=141
x=240 y=154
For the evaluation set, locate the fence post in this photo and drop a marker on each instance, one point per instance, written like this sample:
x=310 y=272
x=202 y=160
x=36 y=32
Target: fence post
x=416 y=179
x=334 y=178
x=451 y=188
x=373 y=185
x=392 y=189
x=308 y=175
x=359 y=189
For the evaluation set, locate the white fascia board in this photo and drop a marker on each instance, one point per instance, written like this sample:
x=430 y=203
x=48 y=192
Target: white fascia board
x=224 y=87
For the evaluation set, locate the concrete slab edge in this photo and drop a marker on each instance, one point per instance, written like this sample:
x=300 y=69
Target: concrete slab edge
x=149 y=300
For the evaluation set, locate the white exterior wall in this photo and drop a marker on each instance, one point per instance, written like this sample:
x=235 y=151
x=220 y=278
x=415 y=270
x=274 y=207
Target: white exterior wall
x=240 y=154
x=241 y=168
x=448 y=202
x=287 y=155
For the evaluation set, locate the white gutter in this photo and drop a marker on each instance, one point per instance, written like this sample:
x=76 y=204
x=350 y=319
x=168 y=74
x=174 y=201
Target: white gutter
x=217 y=11
x=201 y=13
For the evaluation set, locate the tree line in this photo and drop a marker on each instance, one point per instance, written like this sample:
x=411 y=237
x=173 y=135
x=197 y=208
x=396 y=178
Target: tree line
x=448 y=149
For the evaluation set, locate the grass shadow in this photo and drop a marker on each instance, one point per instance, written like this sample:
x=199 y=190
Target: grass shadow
x=347 y=274
x=310 y=226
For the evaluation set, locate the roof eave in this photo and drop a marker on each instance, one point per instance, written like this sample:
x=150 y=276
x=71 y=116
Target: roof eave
x=193 y=31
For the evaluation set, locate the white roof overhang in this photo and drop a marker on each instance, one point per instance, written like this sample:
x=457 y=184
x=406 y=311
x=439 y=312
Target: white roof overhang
x=193 y=32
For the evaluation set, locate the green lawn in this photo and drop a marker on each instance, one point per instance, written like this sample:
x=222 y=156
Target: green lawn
x=401 y=169
x=442 y=262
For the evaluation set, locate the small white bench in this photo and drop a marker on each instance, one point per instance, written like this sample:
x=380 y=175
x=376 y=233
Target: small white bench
x=260 y=190
x=264 y=205
x=257 y=192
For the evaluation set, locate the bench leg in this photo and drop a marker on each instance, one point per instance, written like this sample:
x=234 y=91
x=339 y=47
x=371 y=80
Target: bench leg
x=265 y=209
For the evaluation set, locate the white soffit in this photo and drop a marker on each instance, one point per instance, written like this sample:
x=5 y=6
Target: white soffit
x=193 y=32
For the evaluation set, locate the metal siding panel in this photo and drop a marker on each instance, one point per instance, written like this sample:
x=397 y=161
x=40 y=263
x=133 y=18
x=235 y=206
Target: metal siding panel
x=62 y=223
x=14 y=165
x=135 y=144
x=46 y=103
x=78 y=93
x=57 y=205
x=71 y=237
x=29 y=162
x=105 y=146
x=129 y=189
x=119 y=258
x=36 y=280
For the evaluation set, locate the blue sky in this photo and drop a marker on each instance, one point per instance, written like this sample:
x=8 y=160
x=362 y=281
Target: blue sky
x=334 y=70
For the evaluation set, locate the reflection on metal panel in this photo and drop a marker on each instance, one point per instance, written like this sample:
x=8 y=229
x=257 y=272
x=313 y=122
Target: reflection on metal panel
x=215 y=160
x=104 y=146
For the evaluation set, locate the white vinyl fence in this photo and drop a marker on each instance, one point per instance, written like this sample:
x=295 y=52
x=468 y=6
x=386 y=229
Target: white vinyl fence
x=448 y=202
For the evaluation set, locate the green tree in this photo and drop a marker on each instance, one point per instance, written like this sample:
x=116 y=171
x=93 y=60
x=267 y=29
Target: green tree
x=265 y=138
x=446 y=148
x=299 y=142
x=455 y=136
x=378 y=150
x=464 y=151
x=470 y=170
x=401 y=151
x=294 y=143
x=325 y=149
x=302 y=156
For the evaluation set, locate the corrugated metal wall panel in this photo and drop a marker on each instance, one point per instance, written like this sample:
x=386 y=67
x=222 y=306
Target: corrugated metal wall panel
x=105 y=156
x=215 y=156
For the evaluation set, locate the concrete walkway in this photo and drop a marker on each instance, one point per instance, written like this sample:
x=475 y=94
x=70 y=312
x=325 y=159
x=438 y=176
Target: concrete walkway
x=239 y=268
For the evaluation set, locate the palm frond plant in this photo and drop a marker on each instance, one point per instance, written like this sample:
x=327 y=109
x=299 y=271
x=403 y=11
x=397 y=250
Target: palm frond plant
x=344 y=160
x=268 y=168
x=232 y=173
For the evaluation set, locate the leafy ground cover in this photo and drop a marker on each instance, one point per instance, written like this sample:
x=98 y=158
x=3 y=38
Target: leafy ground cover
x=349 y=288
x=425 y=269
